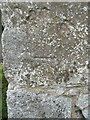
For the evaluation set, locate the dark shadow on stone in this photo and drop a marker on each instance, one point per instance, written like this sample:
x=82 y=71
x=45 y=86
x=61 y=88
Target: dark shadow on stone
x=1 y=30
x=3 y=79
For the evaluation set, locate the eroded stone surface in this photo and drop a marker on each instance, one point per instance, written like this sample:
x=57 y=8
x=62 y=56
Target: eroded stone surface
x=83 y=101
x=86 y=113
x=47 y=43
x=32 y=105
x=45 y=47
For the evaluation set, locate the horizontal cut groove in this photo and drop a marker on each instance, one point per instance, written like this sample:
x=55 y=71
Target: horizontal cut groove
x=44 y=57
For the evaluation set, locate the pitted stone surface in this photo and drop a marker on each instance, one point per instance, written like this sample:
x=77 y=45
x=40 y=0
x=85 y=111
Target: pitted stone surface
x=47 y=42
x=37 y=105
x=83 y=101
x=45 y=46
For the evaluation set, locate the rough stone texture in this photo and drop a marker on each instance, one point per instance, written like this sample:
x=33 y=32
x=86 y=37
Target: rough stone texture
x=86 y=113
x=26 y=104
x=83 y=101
x=45 y=56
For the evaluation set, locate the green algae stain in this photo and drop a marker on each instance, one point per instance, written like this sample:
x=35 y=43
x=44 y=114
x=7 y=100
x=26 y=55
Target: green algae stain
x=3 y=89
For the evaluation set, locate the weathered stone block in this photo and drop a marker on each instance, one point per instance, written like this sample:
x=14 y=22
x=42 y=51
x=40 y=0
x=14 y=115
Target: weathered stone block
x=44 y=50
x=26 y=104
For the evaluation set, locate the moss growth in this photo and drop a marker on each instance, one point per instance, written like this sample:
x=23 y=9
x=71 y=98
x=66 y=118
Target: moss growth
x=3 y=86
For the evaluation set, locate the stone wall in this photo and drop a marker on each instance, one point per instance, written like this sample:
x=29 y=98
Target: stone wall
x=45 y=57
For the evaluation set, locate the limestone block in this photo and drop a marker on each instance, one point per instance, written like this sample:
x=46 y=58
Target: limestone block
x=83 y=101
x=86 y=113
x=28 y=104
x=44 y=43
x=45 y=54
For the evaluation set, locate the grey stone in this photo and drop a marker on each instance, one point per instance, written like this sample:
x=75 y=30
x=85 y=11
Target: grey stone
x=45 y=55
x=86 y=113
x=26 y=104
x=72 y=92
x=83 y=101
x=37 y=50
